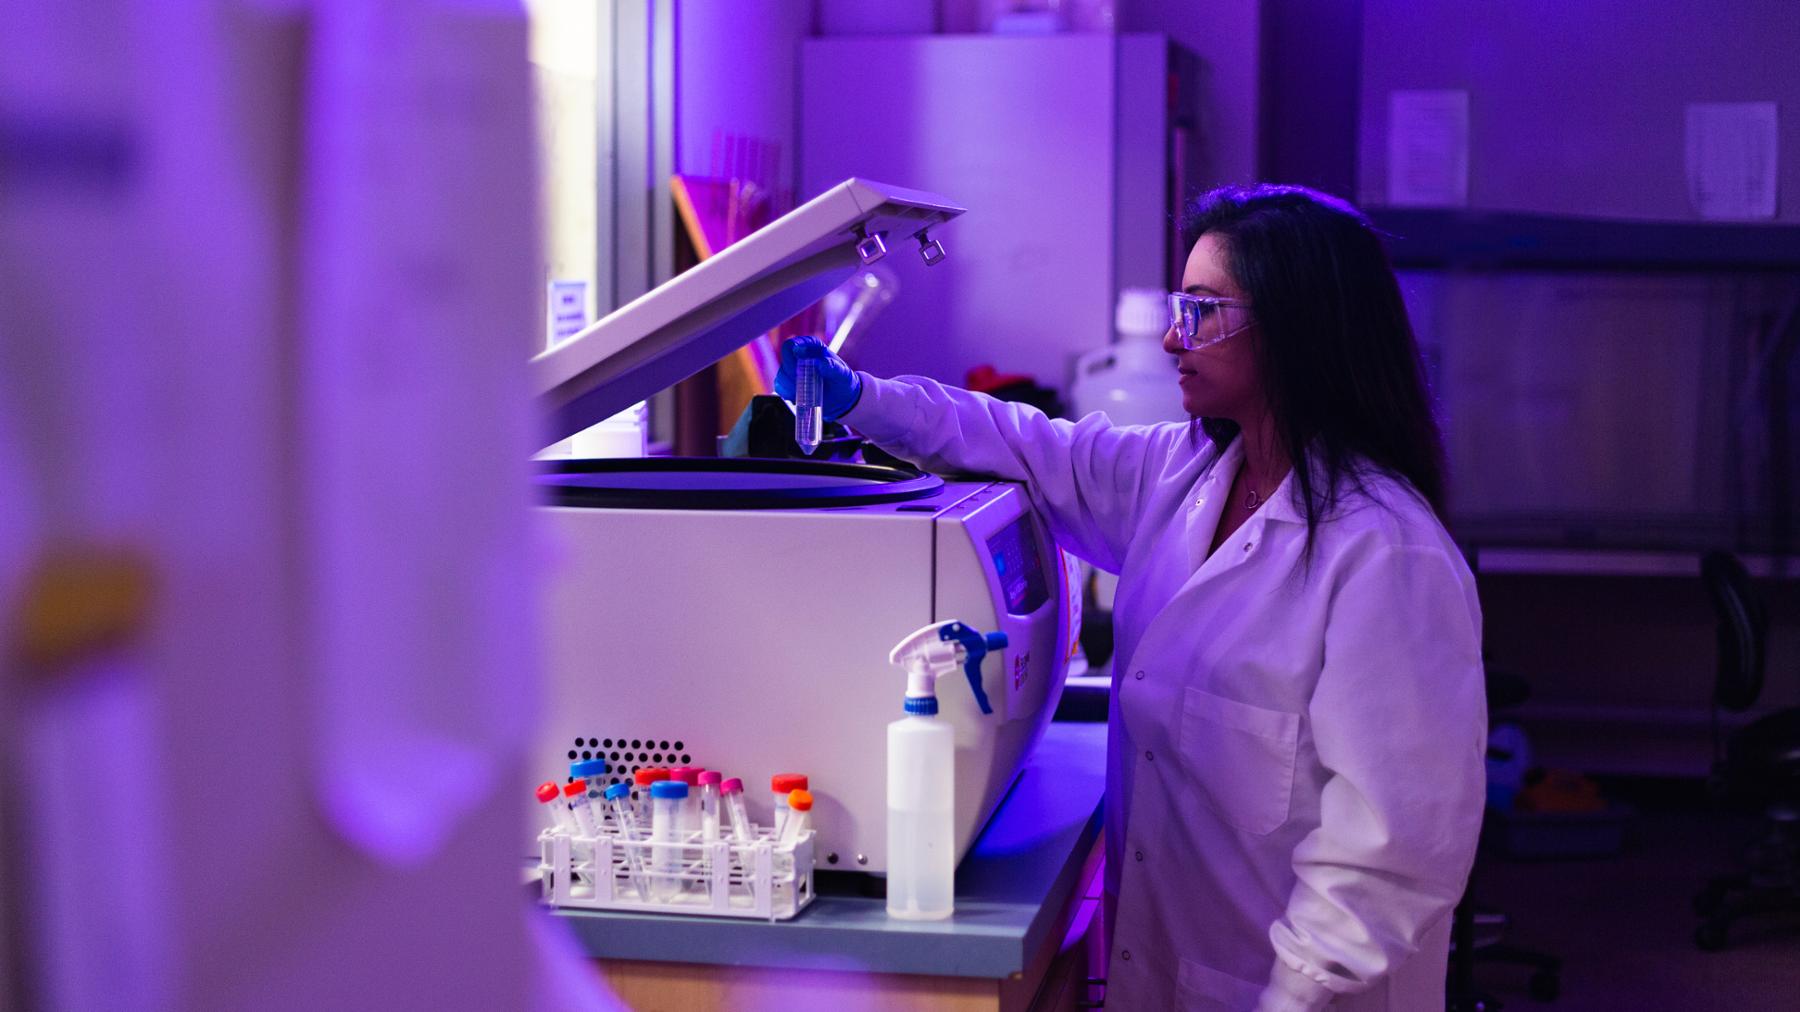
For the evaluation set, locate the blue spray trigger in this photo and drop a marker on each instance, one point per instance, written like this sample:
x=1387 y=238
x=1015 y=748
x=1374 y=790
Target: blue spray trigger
x=975 y=646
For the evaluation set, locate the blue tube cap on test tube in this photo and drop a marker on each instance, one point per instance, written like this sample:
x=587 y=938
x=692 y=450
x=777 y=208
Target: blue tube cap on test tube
x=587 y=768
x=617 y=791
x=668 y=789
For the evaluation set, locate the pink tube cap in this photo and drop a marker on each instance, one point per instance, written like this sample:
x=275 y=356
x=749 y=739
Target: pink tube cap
x=689 y=775
x=711 y=776
x=732 y=786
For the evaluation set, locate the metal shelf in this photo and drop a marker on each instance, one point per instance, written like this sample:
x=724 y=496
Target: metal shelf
x=1596 y=562
x=1491 y=240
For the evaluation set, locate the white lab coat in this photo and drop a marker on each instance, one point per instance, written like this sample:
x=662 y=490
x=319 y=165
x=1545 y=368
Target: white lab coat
x=1295 y=761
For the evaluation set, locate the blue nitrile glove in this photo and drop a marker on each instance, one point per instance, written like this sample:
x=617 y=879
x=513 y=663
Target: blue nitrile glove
x=842 y=386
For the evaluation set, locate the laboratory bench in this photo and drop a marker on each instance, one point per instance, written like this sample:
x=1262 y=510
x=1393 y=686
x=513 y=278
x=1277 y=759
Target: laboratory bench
x=1027 y=905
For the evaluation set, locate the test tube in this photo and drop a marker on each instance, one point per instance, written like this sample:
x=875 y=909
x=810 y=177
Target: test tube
x=575 y=799
x=690 y=806
x=732 y=793
x=646 y=777
x=665 y=813
x=550 y=797
x=592 y=770
x=799 y=817
x=709 y=804
x=809 y=405
x=781 y=785
x=618 y=801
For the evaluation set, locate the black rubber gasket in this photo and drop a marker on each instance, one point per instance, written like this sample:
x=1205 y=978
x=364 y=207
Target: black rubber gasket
x=584 y=483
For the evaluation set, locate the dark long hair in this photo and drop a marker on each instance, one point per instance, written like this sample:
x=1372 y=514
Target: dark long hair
x=1340 y=365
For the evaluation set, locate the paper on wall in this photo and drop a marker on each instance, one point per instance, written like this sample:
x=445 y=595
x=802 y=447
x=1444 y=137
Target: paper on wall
x=568 y=310
x=1732 y=159
x=1428 y=148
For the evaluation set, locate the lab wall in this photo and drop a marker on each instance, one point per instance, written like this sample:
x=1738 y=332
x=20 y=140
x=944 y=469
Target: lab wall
x=1580 y=108
x=740 y=100
x=1053 y=143
x=1601 y=408
x=1225 y=37
x=736 y=81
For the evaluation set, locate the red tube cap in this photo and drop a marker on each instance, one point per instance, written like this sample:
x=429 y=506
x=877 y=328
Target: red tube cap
x=575 y=788
x=784 y=783
x=646 y=777
x=546 y=792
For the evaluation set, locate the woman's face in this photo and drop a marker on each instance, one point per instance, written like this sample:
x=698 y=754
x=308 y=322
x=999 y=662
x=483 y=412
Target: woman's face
x=1219 y=380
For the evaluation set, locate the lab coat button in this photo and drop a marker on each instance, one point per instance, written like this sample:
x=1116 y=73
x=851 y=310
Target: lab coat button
x=1249 y=545
x=1140 y=855
x=1125 y=954
x=1149 y=755
x=1139 y=676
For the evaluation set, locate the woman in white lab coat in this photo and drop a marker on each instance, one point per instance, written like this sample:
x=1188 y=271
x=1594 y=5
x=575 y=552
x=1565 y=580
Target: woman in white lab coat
x=1294 y=768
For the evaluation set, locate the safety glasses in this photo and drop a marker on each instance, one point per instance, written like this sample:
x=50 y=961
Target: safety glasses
x=1202 y=320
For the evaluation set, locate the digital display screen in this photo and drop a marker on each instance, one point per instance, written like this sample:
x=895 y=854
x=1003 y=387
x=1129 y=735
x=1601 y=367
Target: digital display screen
x=1021 y=570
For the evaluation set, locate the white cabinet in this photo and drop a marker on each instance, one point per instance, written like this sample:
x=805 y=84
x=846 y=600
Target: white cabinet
x=1059 y=147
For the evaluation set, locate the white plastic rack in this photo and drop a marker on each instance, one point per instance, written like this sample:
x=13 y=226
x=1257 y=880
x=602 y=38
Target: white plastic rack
x=720 y=878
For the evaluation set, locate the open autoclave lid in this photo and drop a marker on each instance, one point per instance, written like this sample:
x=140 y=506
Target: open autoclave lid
x=700 y=316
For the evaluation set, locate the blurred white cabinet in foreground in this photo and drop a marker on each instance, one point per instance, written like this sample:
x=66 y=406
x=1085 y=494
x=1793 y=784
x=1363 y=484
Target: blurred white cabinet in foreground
x=1059 y=145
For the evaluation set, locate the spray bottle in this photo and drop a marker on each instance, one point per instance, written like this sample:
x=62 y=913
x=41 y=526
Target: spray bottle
x=921 y=763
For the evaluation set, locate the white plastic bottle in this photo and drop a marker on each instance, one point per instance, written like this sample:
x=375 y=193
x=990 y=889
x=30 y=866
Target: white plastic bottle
x=921 y=771
x=921 y=793
x=1134 y=381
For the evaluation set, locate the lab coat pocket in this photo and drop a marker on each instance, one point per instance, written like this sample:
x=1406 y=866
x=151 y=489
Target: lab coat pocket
x=1241 y=757
x=1203 y=987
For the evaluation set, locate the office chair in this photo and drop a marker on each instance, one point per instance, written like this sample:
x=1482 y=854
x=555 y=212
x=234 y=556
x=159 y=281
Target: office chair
x=1758 y=762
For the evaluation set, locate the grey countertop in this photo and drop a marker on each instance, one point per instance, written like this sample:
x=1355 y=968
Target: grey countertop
x=1010 y=890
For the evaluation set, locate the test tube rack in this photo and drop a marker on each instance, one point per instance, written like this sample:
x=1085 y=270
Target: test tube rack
x=761 y=879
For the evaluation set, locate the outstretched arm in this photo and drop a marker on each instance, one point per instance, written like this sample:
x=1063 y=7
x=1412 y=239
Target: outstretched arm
x=1086 y=477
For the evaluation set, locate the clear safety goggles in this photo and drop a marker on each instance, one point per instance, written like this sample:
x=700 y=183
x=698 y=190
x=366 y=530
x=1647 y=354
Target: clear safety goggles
x=1202 y=320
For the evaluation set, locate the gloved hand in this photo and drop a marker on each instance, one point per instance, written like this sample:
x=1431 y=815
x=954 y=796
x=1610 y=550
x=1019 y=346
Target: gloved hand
x=843 y=388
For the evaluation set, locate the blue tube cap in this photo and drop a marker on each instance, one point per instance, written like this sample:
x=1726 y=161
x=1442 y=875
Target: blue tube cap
x=587 y=768
x=668 y=789
x=617 y=791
